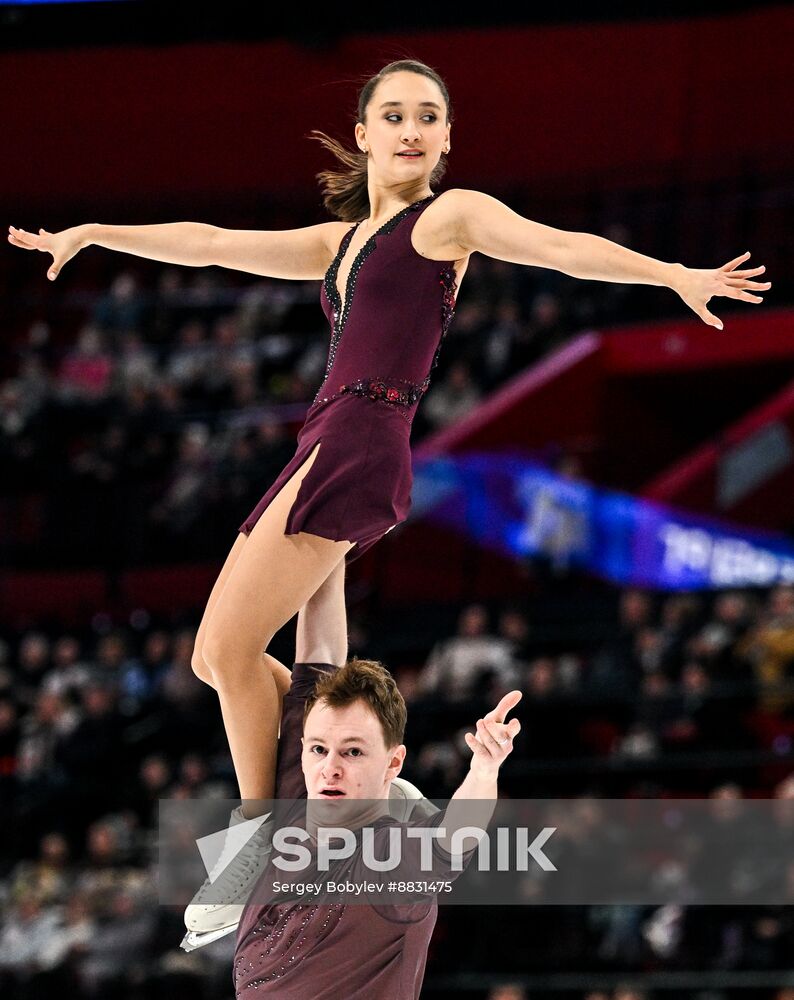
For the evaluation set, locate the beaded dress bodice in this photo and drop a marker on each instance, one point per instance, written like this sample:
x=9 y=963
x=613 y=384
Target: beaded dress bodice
x=386 y=334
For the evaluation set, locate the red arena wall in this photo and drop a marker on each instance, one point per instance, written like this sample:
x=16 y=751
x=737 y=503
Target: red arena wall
x=232 y=118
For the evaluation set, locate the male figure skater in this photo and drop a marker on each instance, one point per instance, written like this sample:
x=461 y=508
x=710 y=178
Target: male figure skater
x=216 y=908
x=341 y=738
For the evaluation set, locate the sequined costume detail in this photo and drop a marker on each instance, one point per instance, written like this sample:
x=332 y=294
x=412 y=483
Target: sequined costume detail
x=378 y=389
x=332 y=290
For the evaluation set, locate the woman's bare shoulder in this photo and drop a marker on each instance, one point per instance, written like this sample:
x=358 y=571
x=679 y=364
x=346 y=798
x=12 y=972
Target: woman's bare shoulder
x=437 y=232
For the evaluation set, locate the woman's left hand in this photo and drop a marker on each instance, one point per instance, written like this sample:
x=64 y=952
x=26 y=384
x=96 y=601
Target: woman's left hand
x=697 y=285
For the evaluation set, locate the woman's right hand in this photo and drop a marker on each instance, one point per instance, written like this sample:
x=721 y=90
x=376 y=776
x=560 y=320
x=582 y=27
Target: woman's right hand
x=63 y=246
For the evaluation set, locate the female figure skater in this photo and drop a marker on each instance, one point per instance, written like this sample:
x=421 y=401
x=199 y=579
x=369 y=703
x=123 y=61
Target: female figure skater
x=389 y=284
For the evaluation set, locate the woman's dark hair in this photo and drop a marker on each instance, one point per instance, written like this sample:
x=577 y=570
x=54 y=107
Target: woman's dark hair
x=345 y=192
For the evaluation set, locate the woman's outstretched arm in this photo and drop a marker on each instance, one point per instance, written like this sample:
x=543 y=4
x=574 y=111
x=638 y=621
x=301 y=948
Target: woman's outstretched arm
x=481 y=222
x=300 y=254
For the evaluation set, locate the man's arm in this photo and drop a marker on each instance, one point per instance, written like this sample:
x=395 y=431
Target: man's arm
x=320 y=647
x=474 y=801
x=289 y=774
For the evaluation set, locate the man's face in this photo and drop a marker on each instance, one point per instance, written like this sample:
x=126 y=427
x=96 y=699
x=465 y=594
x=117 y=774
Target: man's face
x=345 y=755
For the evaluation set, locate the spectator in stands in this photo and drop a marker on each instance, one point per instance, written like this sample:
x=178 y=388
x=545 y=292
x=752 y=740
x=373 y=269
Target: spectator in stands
x=473 y=320
x=614 y=671
x=273 y=448
x=104 y=866
x=543 y=332
x=453 y=397
x=707 y=719
x=93 y=753
x=241 y=470
x=86 y=371
x=463 y=667
x=637 y=742
x=44 y=731
x=509 y=991
x=678 y=621
x=193 y=775
x=185 y=498
x=139 y=679
x=152 y=783
x=69 y=674
x=767 y=937
x=122 y=307
x=551 y=715
x=514 y=628
x=135 y=362
x=27 y=929
x=717 y=641
x=47 y=878
x=619 y=940
x=657 y=709
x=189 y=362
x=33 y=662
x=769 y=647
x=111 y=660
x=35 y=382
x=18 y=412
x=71 y=939
x=189 y=720
x=117 y=952
x=195 y=780
x=648 y=649
x=178 y=683
x=499 y=344
x=629 y=991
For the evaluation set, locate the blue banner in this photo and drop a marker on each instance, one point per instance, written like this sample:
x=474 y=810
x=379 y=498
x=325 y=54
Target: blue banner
x=520 y=508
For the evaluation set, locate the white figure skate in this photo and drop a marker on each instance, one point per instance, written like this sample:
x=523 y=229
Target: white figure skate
x=216 y=908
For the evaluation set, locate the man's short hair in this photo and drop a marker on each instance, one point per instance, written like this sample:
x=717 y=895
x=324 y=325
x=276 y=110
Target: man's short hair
x=368 y=681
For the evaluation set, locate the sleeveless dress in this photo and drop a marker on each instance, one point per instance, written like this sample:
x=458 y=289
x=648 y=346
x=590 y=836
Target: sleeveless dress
x=385 y=342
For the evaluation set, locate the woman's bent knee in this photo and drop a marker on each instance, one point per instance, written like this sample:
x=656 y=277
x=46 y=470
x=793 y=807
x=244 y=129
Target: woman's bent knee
x=201 y=670
x=229 y=662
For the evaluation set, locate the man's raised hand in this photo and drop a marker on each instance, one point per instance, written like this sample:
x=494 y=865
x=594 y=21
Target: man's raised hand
x=494 y=737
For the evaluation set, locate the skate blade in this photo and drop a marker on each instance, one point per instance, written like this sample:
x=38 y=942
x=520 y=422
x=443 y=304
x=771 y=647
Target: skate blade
x=197 y=939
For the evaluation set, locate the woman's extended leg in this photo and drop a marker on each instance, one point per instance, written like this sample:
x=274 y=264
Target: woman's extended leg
x=271 y=579
x=321 y=634
x=200 y=667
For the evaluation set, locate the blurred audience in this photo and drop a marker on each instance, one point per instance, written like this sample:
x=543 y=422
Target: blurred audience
x=97 y=729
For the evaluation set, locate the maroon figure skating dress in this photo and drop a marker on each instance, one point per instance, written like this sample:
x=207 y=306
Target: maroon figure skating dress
x=385 y=341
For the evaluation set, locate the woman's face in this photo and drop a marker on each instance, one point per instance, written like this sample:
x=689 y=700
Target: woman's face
x=406 y=112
